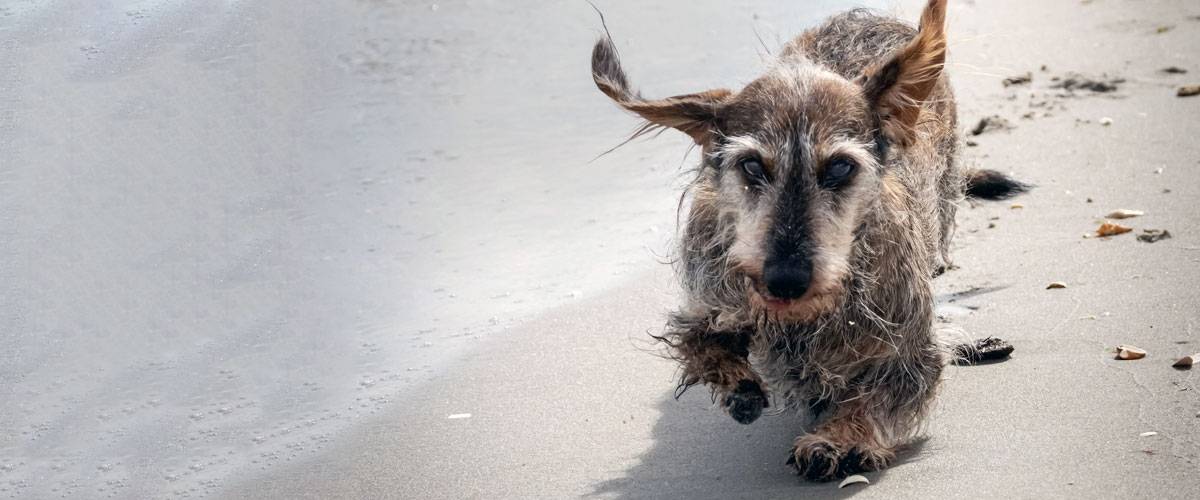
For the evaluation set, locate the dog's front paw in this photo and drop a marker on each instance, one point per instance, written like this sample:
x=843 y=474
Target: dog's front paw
x=815 y=460
x=864 y=460
x=819 y=460
x=746 y=402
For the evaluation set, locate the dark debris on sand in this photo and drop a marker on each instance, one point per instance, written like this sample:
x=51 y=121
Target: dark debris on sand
x=1153 y=235
x=988 y=349
x=1076 y=81
x=991 y=123
x=1018 y=79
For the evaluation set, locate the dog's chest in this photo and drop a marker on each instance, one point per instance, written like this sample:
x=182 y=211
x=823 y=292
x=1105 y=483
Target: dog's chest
x=795 y=383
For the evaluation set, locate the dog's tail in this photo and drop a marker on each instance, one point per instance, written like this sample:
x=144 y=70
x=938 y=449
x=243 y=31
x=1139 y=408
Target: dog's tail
x=983 y=184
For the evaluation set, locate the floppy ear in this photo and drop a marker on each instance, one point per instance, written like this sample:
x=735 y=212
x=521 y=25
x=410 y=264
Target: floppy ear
x=693 y=114
x=898 y=85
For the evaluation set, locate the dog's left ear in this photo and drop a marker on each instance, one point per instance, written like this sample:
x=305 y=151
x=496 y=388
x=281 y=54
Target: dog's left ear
x=900 y=84
x=693 y=114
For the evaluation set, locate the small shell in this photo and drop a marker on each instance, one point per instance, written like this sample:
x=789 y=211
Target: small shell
x=1130 y=352
x=855 y=479
x=1106 y=121
x=1124 y=213
x=1186 y=362
x=1148 y=434
x=1112 y=229
x=1056 y=284
x=457 y=416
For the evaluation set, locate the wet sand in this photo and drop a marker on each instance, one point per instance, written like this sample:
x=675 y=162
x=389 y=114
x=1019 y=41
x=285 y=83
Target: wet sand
x=256 y=251
x=233 y=232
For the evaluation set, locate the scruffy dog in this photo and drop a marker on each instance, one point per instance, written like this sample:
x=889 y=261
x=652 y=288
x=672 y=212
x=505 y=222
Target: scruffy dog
x=822 y=209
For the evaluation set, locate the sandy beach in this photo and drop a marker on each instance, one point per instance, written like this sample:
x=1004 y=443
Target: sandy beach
x=265 y=250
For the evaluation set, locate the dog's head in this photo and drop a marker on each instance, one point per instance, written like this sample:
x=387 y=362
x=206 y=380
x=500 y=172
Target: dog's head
x=795 y=159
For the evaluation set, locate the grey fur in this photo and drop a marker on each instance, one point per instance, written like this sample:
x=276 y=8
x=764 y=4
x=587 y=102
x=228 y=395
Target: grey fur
x=858 y=355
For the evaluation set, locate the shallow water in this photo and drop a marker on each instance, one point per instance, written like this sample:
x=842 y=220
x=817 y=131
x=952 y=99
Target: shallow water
x=230 y=230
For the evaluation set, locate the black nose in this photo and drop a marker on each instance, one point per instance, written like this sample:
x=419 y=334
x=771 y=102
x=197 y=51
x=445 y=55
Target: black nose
x=788 y=278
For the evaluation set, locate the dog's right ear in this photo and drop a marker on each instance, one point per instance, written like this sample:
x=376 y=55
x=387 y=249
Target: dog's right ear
x=693 y=114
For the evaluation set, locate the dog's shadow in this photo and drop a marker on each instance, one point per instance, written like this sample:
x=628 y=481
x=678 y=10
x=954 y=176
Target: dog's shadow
x=700 y=452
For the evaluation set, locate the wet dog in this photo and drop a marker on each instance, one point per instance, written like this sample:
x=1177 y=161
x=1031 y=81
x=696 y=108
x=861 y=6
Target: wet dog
x=822 y=209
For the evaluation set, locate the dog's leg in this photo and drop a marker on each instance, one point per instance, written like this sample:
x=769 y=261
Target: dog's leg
x=848 y=443
x=719 y=359
x=866 y=428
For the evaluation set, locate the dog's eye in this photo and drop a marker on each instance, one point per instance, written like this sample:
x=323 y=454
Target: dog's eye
x=837 y=173
x=754 y=170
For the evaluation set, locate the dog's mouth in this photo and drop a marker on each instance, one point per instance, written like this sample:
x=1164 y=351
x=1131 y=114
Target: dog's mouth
x=816 y=302
x=773 y=302
x=758 y=288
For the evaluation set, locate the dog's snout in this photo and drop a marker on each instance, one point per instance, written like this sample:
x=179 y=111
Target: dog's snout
x=788 y=279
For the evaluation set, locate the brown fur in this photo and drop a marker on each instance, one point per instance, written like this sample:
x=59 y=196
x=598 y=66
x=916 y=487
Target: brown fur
x=855 y=353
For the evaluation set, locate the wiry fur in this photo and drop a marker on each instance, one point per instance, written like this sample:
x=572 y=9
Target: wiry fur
x=857 y=354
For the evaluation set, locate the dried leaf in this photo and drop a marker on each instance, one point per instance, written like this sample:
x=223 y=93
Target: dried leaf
x=1186 y=362
x=1153 y=235
x=1056 y=284
x=1130 y=352
x=1188 y=91
x=1016 y=206
x=1124 y=213
x=855 y=479
x=1112 y=229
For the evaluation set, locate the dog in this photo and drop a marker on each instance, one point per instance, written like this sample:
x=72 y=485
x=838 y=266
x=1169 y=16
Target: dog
x=822 y=208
